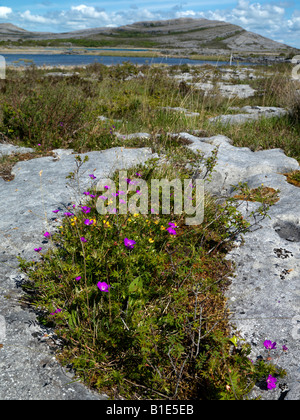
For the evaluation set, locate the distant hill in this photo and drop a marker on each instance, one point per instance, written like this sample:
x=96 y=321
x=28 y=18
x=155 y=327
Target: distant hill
x=9 y=28
x=184 y=35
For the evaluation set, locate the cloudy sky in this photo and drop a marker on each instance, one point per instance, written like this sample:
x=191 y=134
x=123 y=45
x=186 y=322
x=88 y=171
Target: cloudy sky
x=278 y=20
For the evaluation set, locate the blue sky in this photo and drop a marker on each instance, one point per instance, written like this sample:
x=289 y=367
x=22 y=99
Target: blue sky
x=275 y=19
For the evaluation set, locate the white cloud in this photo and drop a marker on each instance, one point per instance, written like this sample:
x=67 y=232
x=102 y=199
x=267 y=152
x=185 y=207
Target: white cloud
x=28 y=17
x=88 y=12
x=187 y=13
x=294 y=23
x=4 y=12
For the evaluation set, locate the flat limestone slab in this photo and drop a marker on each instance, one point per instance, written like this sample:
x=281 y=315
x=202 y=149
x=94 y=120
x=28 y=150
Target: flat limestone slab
x=250 y=113
x=227 y=90
x=8 y=149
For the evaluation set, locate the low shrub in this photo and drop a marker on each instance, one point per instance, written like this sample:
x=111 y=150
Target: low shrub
x=139 y=299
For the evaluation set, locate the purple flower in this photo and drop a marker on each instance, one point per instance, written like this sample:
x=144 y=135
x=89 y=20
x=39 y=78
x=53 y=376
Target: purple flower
x=271 y=381
x=130 y=182
x=56 y=312
x=114 y=194
x=85 y=209
x=103 y=197
x=61 y=124
x=88 y=222
x=107 y=187
x=68 y=214
x=129 y=243
x=92 y=195
x=269 y=345
x=86 y=193
x=47 y=234
x=120 y=192
x=92 y=176
x=172 y=228
x=55 y=211
x=171 y=231
x=78 y=278
x=38 y=249
x=284 y=348
x=83 y=239
x=138 y=174
x=104 y=287
x=173 y=225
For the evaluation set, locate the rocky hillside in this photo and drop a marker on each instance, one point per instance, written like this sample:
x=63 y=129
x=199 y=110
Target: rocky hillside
x=183 y=35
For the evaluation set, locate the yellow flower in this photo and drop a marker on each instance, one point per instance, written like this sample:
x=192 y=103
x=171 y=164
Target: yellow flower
x=156 y=222
x=162 y=228
x=129 y=220
x=136 y=215
x=151 y=240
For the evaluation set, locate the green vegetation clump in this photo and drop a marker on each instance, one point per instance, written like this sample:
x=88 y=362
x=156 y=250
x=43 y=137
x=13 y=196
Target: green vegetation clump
x=139 y=299
x=106 y=41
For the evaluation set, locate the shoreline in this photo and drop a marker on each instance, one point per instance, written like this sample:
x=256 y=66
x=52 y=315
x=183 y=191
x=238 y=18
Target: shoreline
x=127 y=52
x=264 y=59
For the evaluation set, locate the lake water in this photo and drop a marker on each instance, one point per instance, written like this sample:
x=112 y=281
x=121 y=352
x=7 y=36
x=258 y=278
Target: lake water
x=81 y=60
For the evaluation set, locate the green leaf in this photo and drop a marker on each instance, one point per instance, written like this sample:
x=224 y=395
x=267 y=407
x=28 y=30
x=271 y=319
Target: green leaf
x=136 y=286
x=234 y=340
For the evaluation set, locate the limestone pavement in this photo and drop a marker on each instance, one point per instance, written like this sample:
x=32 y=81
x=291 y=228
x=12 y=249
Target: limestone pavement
x=263 y=297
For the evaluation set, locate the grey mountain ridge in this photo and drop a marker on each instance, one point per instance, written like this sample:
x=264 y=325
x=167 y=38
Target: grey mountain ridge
x=185 y=35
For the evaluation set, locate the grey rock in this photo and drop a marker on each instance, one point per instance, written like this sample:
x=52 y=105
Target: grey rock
x=182 y=110
x=251 y=113
x=103 y=118
x=227 y=90
x=8 y=149
x=133 y=136
x=241 y=91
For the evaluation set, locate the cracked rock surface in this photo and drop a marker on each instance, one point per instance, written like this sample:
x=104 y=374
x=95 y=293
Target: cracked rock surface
x=264 y=296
